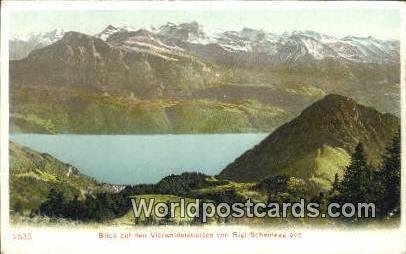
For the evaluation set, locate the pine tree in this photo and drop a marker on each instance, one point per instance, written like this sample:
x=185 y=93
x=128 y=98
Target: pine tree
x=350 y=184
x=18 y=208
x=390 y=175
x=359 y=183
x=55 y=205
x=336 y=182
x=75 y=208
x=199 y=218
x=168 y=218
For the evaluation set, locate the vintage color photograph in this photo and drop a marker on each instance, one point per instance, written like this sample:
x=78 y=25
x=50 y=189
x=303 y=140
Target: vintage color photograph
x=262 y=117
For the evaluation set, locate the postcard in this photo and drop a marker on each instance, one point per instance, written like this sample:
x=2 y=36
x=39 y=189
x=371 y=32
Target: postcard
x=202 y=127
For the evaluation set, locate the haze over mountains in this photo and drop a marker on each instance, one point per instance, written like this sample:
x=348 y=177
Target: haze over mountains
x=316 y=95
x=21 y=46
x=179 y=78
x=287 y=46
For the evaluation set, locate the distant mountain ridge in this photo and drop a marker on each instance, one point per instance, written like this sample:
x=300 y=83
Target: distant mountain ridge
x=85 y=61
x=289 y=46
x=318 y=143
x=276 y=76
x=21 y=46
x=286 y=46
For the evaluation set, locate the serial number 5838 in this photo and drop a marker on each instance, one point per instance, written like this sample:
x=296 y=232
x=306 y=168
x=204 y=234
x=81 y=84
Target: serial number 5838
x=22 y=236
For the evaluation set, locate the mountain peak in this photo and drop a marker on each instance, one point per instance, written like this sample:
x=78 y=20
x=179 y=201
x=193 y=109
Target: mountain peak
x=54 y=34
x=334 y=100
x=110 y=30
x=74 y=33
x=309 y=33
x=334 y=106
x=252 y=34
x=110 y=27
x=183 y=31
x=326 y=132
x=73 y=36
x=337 y=97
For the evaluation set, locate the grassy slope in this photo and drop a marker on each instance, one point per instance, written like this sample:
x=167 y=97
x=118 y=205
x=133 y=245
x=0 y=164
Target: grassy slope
x=32 y=174
x=316 y=145
x=244 y=100
x=244 y=190
x=46 y=111
x=128 y=218
x=320 y=166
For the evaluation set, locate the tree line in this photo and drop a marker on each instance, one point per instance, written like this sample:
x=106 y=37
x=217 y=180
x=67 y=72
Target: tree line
x=361 y=183
x=104 y=206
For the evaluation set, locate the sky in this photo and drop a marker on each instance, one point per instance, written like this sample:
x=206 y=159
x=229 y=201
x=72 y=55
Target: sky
x=380 y=23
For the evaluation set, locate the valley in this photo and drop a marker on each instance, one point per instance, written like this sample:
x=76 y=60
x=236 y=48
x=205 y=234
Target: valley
x=309 y=168
x=181 y=79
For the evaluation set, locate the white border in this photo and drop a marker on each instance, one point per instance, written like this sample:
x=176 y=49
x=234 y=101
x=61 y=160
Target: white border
x=4 y=127
x=194 y=5
x=403 y=116
x=50 y=240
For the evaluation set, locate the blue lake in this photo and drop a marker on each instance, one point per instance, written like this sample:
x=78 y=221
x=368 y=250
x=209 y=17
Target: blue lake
x=134 y=159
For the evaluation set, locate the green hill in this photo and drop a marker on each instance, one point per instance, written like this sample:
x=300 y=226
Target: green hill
x=317 y=144
x=70 y=111
x=33 y=174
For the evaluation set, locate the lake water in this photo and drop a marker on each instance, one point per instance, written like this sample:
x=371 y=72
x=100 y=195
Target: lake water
x=134 y=159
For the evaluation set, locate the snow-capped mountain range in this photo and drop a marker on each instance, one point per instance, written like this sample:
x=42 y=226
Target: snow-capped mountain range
x=248 y=43
x=285 y=70
x=289 y=46
x=22 y=45
x=42 y=38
